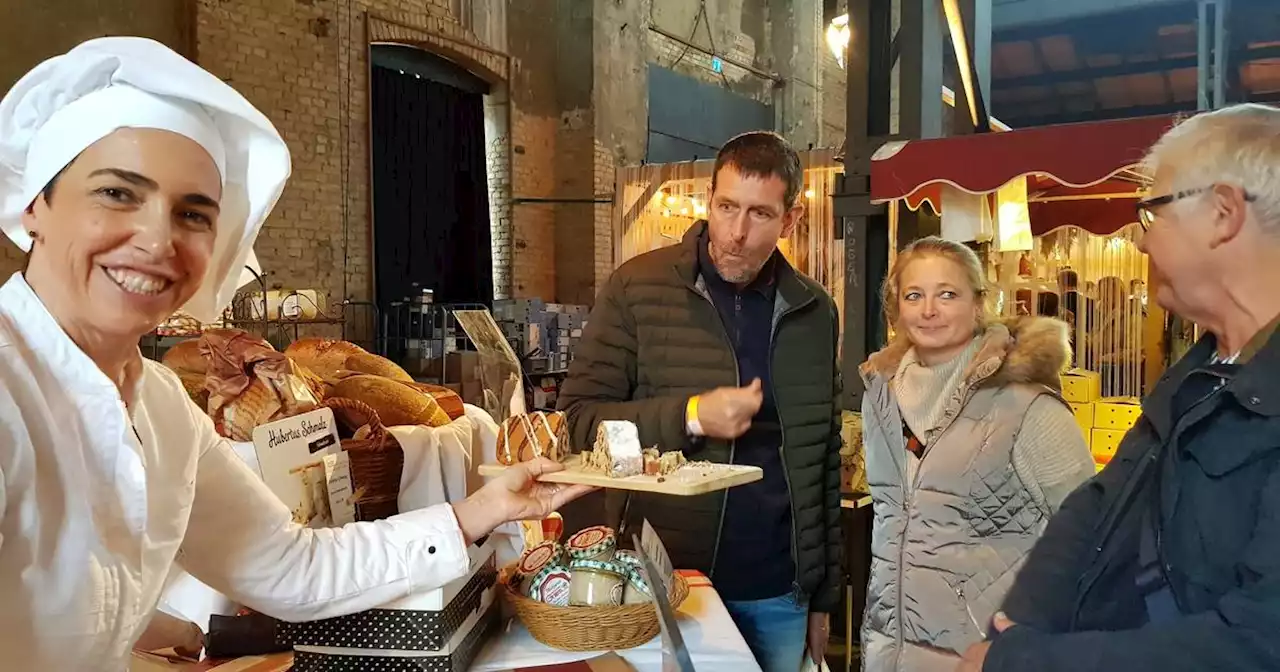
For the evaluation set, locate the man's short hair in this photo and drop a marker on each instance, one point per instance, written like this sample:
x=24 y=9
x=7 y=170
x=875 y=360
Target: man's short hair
x=1237 y=145
x=762 y=154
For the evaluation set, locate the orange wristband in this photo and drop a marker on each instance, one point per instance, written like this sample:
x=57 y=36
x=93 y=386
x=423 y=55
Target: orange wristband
x=691 y=423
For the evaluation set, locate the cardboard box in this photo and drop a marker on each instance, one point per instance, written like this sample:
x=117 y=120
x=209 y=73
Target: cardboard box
x=1080 y=386
x=1119 y=413
x=1104 y=442
x=456 y=367
x=1084 y=416
x=473 y=392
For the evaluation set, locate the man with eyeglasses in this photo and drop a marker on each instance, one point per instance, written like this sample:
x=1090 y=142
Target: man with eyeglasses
x=1169 y=560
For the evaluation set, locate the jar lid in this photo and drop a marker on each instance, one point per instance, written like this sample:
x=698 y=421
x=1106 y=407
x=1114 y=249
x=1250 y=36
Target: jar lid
x=636 y=579
x=628 y=558
x=592 y=541
x=601 y=566
x=551 y=585
x=537 y=557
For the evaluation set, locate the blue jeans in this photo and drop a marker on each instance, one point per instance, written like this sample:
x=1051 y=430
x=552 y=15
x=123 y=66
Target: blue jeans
x=776 y=629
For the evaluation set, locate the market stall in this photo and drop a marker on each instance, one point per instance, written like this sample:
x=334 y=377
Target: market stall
x=1053 y=209
x=340 y=434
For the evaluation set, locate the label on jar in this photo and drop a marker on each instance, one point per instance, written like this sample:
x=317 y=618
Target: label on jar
x=615 y=595
x=537 y=557
x=589 y=537
x=552 y=587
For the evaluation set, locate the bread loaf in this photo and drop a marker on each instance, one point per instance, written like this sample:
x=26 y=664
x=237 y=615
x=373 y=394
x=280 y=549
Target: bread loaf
x=324 y=356
x=364 y=362
x=397 y=404
x=194 y=384
x=250 y=384
x=257 y=405
x=185 y=357
x=530 y=435
x=449 y=400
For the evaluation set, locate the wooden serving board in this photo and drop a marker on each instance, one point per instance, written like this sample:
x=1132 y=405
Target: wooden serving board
x=687 y=481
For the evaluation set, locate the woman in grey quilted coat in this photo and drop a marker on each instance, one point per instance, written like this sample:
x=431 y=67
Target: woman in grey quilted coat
x=969 y=448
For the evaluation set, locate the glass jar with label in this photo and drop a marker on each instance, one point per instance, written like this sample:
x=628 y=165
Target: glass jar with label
x=552 y=585
x=637 y=590
x=597 y=583
x=593 y=543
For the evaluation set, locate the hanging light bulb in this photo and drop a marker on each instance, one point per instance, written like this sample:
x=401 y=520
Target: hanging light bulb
x=838 y=37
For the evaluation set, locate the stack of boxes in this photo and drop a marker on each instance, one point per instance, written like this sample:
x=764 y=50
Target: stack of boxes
x=1104 y=421
x=544 y=335
x=566 y=333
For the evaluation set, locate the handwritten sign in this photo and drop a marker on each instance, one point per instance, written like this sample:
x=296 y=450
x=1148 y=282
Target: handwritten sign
x=337 y=473
x=291 y=455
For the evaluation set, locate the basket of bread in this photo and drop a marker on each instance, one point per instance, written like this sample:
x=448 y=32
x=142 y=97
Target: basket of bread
x=242 y=382
x=585 y=594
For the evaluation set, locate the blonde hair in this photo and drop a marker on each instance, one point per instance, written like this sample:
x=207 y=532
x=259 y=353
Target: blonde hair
x=1237 y=145
x=933 y=246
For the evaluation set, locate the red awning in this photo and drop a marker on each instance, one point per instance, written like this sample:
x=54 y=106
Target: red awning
x=1064 y=162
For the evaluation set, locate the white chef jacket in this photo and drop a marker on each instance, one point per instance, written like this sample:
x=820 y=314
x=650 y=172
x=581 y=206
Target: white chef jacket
x=98 y=501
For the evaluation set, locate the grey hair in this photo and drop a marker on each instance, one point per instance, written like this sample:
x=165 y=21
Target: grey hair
x=1237 y=145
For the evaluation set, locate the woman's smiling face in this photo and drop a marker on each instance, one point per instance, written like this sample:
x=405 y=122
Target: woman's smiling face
x=125 y=234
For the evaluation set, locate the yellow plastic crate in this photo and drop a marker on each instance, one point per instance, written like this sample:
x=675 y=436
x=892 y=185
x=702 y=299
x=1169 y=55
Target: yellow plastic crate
x=1084 y=416
x=1080 y=386
x=1116 y=413
x=1103 y=443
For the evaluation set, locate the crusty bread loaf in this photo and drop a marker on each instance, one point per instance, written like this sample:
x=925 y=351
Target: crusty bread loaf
x=185 y=357
x=449 y=400
x=193 y=383
x=364 y=362
x=257 y=405
x=324 y=356
x=527 y=436
x=397 y=404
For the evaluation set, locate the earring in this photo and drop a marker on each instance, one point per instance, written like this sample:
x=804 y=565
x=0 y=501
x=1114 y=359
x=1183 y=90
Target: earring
x=34 y=236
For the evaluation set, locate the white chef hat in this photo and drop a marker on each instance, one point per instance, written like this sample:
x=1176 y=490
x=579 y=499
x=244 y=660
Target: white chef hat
x=71 y=101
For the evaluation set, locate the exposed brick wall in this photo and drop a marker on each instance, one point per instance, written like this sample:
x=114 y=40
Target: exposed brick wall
x=604 y=176
x=834 y=101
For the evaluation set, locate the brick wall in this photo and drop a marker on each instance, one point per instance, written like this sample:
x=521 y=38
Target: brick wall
x=305 y=65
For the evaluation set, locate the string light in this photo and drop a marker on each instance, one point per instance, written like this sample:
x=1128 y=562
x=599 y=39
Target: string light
x=671 y=200
x=808 y=193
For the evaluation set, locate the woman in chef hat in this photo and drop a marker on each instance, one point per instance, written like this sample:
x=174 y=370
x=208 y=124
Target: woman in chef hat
x=137 y=183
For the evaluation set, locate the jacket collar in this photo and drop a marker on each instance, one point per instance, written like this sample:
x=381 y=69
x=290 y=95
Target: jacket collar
x=1019 y=350
x=49 y=344
x=791 y=289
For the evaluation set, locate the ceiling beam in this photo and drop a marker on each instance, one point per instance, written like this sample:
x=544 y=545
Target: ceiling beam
x=1039 y=14
x=1188 y=106
x=1238 y=57
x=1121 y=17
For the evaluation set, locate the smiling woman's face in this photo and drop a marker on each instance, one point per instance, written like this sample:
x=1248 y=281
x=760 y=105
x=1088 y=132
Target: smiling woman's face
x=126 y=235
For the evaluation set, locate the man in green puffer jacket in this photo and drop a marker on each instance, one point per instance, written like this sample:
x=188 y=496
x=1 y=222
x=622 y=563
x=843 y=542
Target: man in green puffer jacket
x=719 y=348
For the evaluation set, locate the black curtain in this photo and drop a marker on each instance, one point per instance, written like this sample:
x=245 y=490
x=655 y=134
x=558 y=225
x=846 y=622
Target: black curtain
x=430 y=194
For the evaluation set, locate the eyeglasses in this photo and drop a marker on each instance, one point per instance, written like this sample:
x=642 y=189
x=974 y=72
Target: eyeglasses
x=1146 y=208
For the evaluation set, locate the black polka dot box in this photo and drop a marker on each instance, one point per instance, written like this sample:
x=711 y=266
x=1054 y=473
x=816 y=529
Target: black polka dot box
x=456 y=656
x=426 y=625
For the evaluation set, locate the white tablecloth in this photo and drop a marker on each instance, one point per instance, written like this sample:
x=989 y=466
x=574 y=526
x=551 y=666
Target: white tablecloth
x=712 y=638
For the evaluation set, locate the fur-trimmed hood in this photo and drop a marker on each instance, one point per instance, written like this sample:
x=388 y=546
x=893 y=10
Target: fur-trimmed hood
x=1015 y=350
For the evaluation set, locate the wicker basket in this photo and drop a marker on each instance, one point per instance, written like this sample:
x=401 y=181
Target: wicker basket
x=377 y=461
x=590 y=628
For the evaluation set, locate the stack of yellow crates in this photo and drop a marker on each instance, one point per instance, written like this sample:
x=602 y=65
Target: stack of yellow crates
x=1103 y=421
